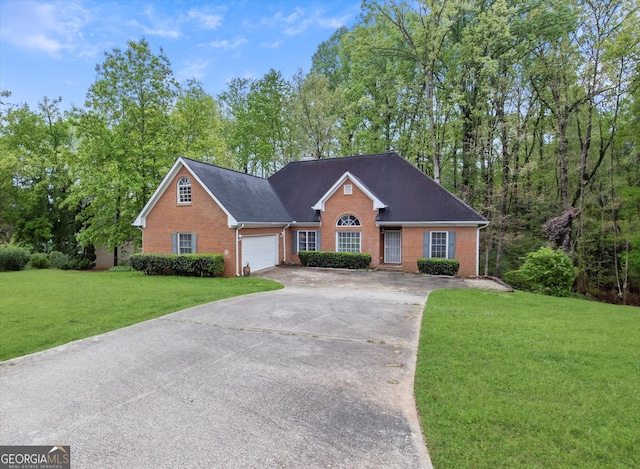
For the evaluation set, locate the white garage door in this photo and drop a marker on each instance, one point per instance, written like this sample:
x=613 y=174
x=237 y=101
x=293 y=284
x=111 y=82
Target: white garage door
x=261 y=252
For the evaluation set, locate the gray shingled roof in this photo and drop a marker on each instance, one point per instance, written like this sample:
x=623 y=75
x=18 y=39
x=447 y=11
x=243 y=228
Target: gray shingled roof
x=411 y=196
x=249 y=199
x=288 y=195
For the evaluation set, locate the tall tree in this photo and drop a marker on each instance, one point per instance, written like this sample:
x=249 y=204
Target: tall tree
x=125 y=142
x=198 y=127
x=35 y=177
x=316 y=114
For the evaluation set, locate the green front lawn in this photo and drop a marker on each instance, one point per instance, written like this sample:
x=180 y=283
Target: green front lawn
x=523 y=381
x=40 y=309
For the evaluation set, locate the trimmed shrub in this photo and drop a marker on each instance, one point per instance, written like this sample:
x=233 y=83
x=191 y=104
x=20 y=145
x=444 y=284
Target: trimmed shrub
x=121 y=268
x=193 y=265
x=438 y=266
x=13 y=258
x=39 y=260
x=59 y=260
x=517 y=280
x=335 y=260
x=549 y=272
x=80 y=264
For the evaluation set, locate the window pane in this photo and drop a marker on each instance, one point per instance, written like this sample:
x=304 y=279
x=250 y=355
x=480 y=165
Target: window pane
x=311 y=240
x=348 y=241
x=348 y=220
x=439 y=244
x=184 y=190
x=185 y=243
x=306 y=240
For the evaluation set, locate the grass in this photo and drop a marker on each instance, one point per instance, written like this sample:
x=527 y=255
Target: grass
x=40 y=309
x=526 y=381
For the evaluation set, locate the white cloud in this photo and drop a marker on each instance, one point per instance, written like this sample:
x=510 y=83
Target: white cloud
x=225 y=44
x=193 y=69
x=158 y=24
x=49 y=27
x=300 y=20
x=271 y=45
x=204 y=18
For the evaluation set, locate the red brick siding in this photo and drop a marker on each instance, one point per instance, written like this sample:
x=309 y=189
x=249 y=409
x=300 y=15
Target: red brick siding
x=466 y=239
x=203 y=217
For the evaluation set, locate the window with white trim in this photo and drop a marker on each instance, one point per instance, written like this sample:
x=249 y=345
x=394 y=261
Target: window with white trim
x=307 y=241
x=348 y=220
x=348 y=241
x=348 y=189
x=184 y=190
x=186 y=243
x=439 y=244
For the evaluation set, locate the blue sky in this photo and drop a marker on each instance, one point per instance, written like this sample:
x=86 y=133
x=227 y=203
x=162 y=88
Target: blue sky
x=51 y=47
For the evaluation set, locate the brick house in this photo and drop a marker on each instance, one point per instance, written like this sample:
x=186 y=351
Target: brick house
x=378 y=204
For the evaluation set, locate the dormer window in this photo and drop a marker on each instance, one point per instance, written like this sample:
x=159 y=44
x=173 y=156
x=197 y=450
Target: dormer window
x=348 y=220
x=184 y=190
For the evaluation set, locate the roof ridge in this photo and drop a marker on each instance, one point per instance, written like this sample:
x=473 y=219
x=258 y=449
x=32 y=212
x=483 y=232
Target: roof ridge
x=223 y=168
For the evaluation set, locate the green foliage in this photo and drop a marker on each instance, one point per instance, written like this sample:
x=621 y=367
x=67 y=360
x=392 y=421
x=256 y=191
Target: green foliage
x=39 y=260
x=548 y=271
x=517 y=280
x=34 y=177
x=59 y=260
x=126 y=142
x=79 y=263
x=13 y=258
x=192 y=265
x=122 y=268
x=438 y=266
x=335 y=260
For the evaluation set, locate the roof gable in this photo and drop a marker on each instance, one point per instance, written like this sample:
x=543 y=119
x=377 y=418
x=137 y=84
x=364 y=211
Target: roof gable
x=410 y=196
x=164 y=185
x=377 y=203
x=297 y=193
x=245 y=199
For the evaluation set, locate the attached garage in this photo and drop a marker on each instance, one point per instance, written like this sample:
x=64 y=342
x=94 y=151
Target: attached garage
x=261 y=252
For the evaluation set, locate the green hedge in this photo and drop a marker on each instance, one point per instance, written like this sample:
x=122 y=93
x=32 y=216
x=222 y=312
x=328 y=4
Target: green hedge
x=39 y=260
x=438 y=266
x=13 y=258
x=544 y=271
x=335 y=260
x=191 y=265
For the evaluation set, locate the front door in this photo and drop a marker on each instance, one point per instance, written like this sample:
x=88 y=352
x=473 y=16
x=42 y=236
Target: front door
x=393 y=247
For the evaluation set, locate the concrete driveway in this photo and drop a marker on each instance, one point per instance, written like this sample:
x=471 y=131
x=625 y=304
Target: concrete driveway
x=319 y=374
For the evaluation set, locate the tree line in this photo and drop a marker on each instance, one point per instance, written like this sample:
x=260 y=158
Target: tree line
x=526 y=110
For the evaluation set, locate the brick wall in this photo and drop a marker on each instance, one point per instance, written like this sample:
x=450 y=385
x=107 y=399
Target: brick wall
x=466 y=239
x=359 y=205
x=205 y=218
x=202 y=216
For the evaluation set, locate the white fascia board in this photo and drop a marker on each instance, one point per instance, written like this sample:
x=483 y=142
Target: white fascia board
x=141 y=219
x=431 y=223
x=276 y=224
x=377 y=203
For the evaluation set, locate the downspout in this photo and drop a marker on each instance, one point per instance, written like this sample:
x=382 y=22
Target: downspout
x=238 y=228
x=478 y=249
x=284 y=243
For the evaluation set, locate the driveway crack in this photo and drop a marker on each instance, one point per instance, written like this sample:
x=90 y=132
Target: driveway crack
x=290 y=333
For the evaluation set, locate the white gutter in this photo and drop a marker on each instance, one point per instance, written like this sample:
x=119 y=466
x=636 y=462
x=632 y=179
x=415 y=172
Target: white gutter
x=284 y=243
x=238 y=228
x=478 y=248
